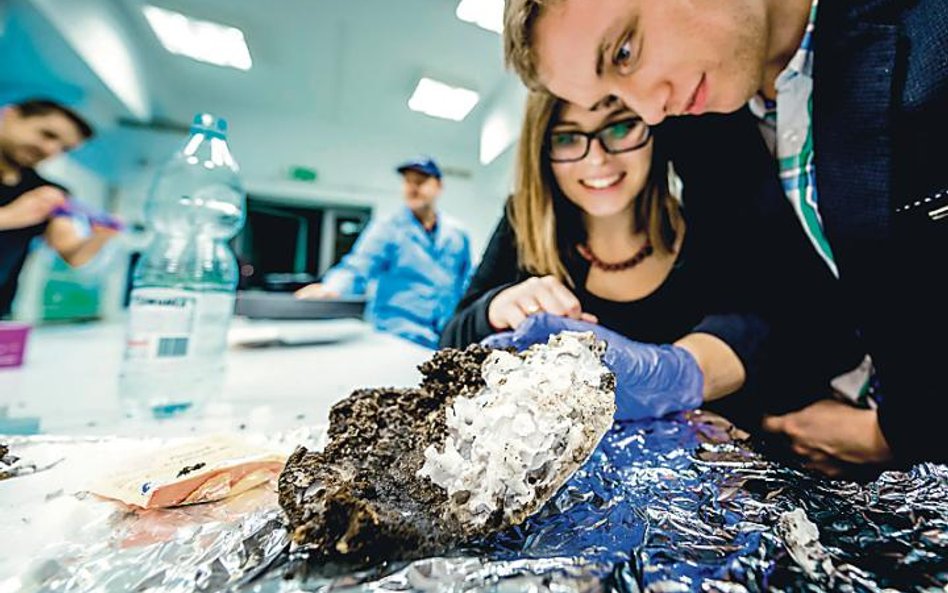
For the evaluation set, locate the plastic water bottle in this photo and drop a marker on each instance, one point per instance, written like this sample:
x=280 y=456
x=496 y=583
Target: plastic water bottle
x=183 y=286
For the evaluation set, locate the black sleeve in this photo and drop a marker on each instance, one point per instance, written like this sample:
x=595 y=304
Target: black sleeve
x=787 y=321
x=498 y=270
x=784 y=317
x=744 y=332
x=724 y=221
x=775 y=302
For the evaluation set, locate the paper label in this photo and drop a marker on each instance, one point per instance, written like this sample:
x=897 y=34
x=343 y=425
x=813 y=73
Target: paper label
x=198 y=470
x=163 y=323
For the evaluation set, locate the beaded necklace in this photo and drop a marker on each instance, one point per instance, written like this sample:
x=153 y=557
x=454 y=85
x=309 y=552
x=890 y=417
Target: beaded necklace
x=588 y=255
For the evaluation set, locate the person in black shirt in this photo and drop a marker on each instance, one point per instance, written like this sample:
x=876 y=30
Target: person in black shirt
x=593 y=231
x=31 y=132
x=599 y=229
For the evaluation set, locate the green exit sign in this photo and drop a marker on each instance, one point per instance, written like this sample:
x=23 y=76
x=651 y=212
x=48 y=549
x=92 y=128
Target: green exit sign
x=299 y=173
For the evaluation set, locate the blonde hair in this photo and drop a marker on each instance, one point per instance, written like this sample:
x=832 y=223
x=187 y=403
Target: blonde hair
x=520 y=17
x=546 y=223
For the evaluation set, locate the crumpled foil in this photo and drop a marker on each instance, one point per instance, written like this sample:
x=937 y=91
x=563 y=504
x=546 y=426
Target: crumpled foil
x=676 y=504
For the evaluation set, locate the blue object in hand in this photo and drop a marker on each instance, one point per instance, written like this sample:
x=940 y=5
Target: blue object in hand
x=651 y=380
x=94 y=217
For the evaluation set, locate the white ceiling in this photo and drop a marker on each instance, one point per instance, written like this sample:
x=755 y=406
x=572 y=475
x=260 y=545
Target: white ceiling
x=354 y=62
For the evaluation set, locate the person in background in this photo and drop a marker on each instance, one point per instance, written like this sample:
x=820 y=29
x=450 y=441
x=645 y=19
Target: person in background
x=839 y=108
x=599 y=231
x=420 y=258
x=30 y=206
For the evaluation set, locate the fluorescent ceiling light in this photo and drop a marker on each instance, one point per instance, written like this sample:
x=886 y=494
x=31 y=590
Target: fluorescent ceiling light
x=440 y=100
x=487 y=14
x=200 y=40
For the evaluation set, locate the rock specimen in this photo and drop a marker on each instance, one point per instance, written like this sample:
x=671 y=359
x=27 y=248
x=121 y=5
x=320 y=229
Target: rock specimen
x=486 y=439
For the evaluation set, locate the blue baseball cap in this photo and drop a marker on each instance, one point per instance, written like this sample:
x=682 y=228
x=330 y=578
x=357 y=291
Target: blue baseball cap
x=425 y=165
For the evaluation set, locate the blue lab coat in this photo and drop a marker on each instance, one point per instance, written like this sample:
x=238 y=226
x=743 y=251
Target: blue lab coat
x=420 y=275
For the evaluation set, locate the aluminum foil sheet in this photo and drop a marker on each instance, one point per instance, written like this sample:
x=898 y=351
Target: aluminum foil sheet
x=671 y=505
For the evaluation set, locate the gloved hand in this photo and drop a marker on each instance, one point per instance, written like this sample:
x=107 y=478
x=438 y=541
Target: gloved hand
x=651 y=380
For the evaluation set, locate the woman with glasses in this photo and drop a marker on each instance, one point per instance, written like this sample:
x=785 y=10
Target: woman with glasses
x=599 y=229
x=594 y=231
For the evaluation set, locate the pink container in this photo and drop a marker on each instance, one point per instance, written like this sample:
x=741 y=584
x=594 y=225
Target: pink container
x=12 y=343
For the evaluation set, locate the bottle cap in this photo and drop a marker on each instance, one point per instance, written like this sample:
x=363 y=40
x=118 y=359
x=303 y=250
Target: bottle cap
x=209 y=124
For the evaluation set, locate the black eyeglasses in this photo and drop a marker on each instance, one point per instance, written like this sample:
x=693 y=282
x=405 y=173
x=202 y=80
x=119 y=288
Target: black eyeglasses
x=621 y=136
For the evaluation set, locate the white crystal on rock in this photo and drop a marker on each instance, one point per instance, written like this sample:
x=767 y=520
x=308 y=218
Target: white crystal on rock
x=537 y=420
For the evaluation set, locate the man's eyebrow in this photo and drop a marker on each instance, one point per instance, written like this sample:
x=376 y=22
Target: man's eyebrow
x=606 y=101
x=601 y=57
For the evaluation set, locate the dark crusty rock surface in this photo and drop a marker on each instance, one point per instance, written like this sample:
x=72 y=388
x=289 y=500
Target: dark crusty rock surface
x=360 y=500
x=487 y=438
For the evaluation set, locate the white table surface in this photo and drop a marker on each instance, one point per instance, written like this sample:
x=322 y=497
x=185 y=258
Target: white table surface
x=68 y=384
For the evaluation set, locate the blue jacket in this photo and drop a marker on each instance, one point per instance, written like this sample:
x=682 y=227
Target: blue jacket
x=420 y=275
x=880 y=124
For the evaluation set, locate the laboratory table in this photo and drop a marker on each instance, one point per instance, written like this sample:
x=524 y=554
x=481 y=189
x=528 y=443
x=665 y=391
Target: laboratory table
x=69 y=383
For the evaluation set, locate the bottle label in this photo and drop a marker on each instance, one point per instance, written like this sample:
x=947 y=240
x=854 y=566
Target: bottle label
x=172 y=324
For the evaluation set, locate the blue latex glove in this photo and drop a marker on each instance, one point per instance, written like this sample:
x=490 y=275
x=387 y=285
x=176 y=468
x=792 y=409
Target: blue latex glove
x=651 y=380
x=94 y=217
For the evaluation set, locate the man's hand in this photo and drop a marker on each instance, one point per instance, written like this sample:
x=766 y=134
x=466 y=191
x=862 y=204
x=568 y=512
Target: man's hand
x=31 y=208
x=511 y=306
x=830 y=432
x=316 y=291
